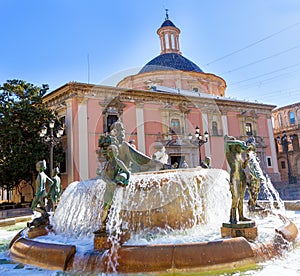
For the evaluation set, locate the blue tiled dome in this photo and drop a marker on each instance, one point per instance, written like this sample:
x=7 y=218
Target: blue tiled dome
x=170 y=61
x=167 y=23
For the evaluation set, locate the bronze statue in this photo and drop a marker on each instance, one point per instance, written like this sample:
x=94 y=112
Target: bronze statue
x=121 y=159
x=103 y=144
x=116 y=173
x=255 y=178
x=55 y=190
x=206 y=163
x=40 y=190
x=238 y=181
x=133 y=159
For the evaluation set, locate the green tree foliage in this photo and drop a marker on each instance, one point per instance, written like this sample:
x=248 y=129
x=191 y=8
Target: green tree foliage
x=22 y=115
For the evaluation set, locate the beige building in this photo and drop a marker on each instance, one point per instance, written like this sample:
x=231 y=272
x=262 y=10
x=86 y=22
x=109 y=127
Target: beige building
x=286 y=121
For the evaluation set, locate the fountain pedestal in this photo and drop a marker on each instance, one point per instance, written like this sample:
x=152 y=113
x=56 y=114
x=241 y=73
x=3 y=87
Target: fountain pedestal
x=246 y=229
x=102 y=242
x=36 y=232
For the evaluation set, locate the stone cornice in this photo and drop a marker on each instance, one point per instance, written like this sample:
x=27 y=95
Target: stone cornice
x=192 y=77
x=100 y=92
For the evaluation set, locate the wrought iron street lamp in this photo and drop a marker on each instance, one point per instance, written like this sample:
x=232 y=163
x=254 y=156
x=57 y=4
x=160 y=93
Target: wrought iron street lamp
x=284 y=142
x=200 y=140
x=51 y=140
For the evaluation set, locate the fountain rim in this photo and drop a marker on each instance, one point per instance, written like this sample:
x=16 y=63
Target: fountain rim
x=224 y=253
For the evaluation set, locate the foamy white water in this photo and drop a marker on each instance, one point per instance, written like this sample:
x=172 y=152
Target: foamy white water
x=79 y=211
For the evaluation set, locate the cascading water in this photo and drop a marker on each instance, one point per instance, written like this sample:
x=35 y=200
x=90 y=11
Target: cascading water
x=175 y=199
x=268 y=189
x=153 y=205
x=80 y=207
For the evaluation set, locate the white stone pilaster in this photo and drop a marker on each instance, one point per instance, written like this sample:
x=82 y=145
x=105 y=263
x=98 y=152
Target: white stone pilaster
x=225 y=132
x=70 y=146
x=225 y=125
x=140 y=127
x=206 y=128
x=272 y=146
x=83 y=166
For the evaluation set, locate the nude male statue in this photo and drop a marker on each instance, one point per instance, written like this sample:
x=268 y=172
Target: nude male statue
x=238 y=181
x=40 y=190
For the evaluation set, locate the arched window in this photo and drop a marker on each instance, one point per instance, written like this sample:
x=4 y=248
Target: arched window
x=167 y=41
x=295 y=142
x=279 y=117
x=172 y=41
x=214 y=128
x=110 y=120
x=248 y=128
x=292 y=117
x=175 y=126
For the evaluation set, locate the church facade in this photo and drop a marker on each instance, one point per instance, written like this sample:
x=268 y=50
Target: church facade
x=164 y=103
x=287 y=132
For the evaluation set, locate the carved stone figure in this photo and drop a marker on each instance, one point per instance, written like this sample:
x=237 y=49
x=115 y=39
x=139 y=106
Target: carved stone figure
x=160 y=154
x=40 y=194
x=184 y=165
x=238 y=181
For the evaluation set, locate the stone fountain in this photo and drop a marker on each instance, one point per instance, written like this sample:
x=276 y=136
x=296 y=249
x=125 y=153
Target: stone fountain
x=161 y=220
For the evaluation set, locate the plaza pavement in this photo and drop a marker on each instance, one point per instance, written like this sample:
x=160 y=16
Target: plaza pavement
x=12 y=216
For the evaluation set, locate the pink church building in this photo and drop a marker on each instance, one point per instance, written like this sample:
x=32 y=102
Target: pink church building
x=164 y=102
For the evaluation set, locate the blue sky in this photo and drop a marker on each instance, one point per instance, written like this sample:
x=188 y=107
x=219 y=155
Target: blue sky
x=253 y=44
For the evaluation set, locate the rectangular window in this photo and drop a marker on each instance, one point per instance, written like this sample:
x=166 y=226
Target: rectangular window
x=172 y=42
x=63 y=163
x=292 y=118
x=283 y=164
x=175 y=126
x=167 y=41
x=269 y=161
x=248 y=128
x=110 y=120
x=214 y=128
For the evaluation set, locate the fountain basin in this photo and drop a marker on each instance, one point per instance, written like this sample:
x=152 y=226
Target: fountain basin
x=226 y=253
x=51 y=256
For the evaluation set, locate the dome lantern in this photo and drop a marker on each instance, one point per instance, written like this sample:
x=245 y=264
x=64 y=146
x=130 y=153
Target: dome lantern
x=169 y=36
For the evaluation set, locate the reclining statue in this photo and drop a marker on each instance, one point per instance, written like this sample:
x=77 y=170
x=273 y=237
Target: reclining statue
x=133 y=159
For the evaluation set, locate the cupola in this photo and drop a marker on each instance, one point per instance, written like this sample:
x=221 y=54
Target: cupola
x=169 y=36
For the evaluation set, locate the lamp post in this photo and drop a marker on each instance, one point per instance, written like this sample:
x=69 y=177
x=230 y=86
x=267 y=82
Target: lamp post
x=200 y=140
x=284 y=142
x=51 y=140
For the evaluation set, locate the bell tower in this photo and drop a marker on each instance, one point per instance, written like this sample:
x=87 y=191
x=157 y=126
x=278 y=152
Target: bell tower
x=169 y=36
